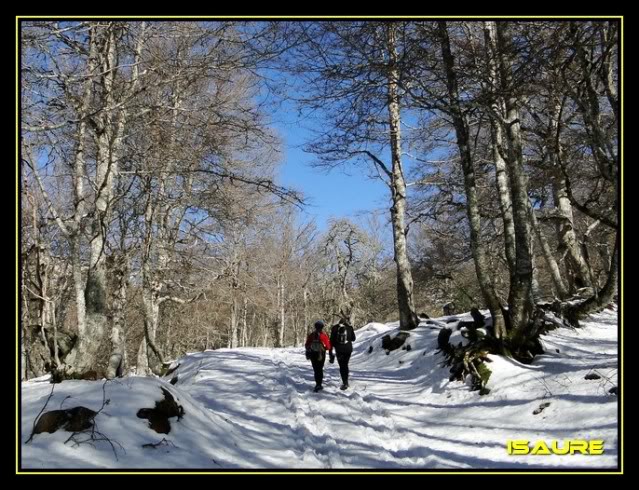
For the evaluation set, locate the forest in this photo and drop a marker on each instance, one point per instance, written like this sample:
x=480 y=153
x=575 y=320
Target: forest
x=154 y=223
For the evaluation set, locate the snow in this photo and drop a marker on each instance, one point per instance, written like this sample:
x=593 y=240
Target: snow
x=254 y=408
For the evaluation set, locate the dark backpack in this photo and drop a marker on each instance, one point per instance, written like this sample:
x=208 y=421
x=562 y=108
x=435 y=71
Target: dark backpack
x=342 y=334
x=317 y=347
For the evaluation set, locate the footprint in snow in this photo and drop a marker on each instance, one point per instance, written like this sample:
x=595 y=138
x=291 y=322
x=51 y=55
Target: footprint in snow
x=541 y=408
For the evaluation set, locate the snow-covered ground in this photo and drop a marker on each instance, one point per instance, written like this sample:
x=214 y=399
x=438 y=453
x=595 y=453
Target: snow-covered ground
x=254 y=408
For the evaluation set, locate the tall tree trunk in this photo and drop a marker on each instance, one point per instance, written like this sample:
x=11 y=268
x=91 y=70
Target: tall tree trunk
x=567 y=235
x=555 y=272
x=521 y=302
x=160 y=235
x=233 y=320
x=609 y=38
x=505 y=200
x=106 y=167
x=79 y=198
x=25 y=338
x=281 y=311
x=307 y=318
x=108 y=125
x=296 y=329
x=499 y=150
x=154 y=247
x=79 y=174
x=603 y=297
x=345 y=304
x=142 y=361
x=407 y=316
x=472 y=204
x=235 y=289
x=147 y=362
x=32 y=367
x=254 y=332
x=244 y=331
x=565 y=226
x=118 y=345
x=51 y=313
x=109 y=128
x=265 y=332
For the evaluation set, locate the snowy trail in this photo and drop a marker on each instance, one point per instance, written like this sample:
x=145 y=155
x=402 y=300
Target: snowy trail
x=254 y=408
x=331 y=415
x=306 y=420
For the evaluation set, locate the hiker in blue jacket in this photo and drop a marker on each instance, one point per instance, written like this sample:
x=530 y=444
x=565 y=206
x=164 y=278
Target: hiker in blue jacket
x=342 y=338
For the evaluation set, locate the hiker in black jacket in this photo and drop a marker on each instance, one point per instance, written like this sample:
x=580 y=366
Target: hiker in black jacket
x=342 y=338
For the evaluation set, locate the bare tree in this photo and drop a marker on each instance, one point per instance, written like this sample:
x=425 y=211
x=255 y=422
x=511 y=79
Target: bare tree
x=353 y=71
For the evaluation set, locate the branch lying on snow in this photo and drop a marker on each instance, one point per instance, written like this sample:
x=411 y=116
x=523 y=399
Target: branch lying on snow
x=605 y=378
x=163 y=442
x=64 y=400
x=92 y=438
x=548 y=393
x=35 y=421
x=93 y=431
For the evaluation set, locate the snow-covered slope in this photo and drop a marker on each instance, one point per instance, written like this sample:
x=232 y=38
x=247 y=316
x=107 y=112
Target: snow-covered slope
x=254 y=408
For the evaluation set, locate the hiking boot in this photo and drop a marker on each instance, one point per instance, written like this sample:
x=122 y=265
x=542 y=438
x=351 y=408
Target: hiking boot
x=318 y=388
x=344 y=386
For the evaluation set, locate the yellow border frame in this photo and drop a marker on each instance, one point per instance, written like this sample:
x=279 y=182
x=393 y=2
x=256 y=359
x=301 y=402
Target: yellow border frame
x=310 y=17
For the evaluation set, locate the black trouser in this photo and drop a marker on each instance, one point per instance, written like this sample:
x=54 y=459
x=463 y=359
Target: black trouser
x=342 y=360
x=318 y=368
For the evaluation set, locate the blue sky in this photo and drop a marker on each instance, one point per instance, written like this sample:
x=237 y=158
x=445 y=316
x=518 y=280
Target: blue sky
x=342 y=192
